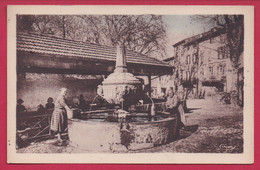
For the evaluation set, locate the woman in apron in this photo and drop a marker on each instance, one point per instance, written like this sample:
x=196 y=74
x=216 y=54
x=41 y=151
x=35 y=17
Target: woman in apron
x=59 y=120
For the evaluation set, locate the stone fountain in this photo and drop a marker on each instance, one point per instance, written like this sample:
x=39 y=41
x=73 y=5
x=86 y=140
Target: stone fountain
x=121 y=86
x=102 y=134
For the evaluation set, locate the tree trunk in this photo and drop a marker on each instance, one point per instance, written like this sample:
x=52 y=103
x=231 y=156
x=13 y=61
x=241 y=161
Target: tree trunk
x=234 y=93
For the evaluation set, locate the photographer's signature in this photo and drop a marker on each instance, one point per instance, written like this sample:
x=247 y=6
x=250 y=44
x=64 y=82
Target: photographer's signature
x=226 y=147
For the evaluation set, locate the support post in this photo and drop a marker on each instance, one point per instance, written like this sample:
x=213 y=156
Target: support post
x=149 y=85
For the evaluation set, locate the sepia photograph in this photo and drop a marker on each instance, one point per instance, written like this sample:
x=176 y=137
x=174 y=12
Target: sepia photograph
x=126 y=83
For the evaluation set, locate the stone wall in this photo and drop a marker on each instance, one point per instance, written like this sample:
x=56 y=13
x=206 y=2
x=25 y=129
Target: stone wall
x=109 y=136
x=35 y=88
x=148 y=135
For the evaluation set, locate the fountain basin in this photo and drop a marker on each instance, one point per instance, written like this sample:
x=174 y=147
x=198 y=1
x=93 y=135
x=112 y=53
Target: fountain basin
x=100 y=135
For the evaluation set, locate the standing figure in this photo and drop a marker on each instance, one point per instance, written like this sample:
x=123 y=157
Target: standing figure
x=49 y=104
x=19 y=109
x=172 y=105
x=59 y=120
x=19 y=106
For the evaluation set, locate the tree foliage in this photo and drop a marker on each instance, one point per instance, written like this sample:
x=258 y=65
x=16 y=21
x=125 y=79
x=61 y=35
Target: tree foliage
x=144 y=34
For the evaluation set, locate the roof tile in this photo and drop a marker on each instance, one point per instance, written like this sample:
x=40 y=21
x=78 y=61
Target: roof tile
x=57 y=46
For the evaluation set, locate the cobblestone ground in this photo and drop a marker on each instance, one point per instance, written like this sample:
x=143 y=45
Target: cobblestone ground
x=211 y=127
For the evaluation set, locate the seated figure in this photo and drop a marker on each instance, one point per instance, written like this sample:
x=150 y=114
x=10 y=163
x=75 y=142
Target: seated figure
x=19 y=106
x=40 y=109
x=49 y=104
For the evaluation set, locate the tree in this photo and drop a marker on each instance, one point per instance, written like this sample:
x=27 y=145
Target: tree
x=233 y=25
x=144 y=34
x=56 y=25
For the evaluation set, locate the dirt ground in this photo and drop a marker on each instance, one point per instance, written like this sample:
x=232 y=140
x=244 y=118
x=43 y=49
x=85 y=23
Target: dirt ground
x=211 y=127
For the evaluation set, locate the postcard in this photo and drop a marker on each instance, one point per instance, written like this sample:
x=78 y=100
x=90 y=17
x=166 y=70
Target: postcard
x=143 y=84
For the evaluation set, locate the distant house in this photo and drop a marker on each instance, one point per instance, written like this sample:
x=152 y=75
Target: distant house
x=203 y=61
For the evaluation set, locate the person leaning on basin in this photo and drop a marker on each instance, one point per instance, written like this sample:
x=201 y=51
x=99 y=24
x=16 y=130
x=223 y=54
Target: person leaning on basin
x=173 y=106
x=60 y=115
x=100 y=100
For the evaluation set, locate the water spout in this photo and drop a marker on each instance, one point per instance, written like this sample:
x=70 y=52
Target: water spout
x=153 y=111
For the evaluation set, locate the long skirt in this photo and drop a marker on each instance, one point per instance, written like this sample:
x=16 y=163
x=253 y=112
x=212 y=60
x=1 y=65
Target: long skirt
x=182 y=113
x=59 y=120
x=175 y=112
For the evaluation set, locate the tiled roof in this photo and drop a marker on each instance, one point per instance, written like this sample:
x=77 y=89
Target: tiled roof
x=63 y=47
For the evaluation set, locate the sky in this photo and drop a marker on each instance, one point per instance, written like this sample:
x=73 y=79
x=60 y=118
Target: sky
x=180 y=27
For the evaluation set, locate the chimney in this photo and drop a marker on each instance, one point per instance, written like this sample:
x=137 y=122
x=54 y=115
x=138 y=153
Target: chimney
x=120 y=59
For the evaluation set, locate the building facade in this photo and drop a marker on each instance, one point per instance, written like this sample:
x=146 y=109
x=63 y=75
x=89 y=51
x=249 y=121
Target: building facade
x=202 y=61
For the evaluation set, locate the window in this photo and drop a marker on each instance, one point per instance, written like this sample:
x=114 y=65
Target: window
x=222 y=52
x=194 y=58
x=202 y=59
x=184 y=75
x=188 y=59
x=222 y=69
x=211 y=70
x=187 y=75
x=181 y=75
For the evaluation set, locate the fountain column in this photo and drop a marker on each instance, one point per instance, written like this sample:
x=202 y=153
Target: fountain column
x=120 y=59
x=121 y=83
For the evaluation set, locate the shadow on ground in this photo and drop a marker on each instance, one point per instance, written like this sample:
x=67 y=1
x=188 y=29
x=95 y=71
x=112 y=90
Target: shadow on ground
x=187 y=131
x=190 y=110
